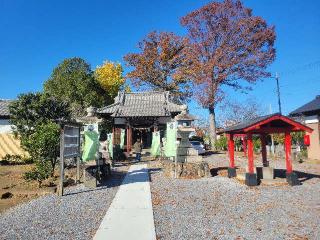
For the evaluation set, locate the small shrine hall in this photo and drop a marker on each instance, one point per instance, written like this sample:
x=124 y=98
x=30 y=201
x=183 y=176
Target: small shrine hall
x=138 y=114
x=262 y=126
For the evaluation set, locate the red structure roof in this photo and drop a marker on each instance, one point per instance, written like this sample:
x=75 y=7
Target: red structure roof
x=274 y=123
x=262 y=126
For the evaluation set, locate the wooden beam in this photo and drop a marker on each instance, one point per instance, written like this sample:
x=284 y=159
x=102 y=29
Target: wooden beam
x=264 y=150
x=244 y=145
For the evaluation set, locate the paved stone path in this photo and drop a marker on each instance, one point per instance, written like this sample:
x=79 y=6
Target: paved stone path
x=130 y=215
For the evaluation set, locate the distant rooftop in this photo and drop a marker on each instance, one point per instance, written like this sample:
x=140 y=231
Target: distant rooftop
x=4 y=108
x=310 y=108
x=139 y=104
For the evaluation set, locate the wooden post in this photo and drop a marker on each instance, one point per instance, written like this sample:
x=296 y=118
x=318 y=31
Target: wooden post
x=292 y=177
x=128 y=147
x=264 y=150
x=244 y=145
x=78 y=158
x=60 y=192
x=231 y=150
x=251 y=177
x=250 y=154
x=78 y=170
x=130 y=139
x=287 y=142
x=231 y=168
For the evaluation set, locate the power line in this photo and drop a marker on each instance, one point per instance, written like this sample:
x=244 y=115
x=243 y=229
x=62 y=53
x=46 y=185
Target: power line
x=308 y=66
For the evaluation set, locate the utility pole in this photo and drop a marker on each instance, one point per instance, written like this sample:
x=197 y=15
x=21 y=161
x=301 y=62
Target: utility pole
x=278 y=91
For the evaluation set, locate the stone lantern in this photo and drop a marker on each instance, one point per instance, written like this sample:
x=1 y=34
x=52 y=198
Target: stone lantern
x=185 y=151
x=188 y=163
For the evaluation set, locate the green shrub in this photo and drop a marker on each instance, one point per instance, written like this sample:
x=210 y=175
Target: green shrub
x=44 y=144
x=222 y=143
x=9 y=159
x=256 y=143
x=39 y=173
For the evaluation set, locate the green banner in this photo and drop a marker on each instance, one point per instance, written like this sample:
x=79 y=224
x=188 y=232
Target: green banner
x=110 y=145
x=155 y=146
x=123 y=132
x=170 y=147
x=91 y=144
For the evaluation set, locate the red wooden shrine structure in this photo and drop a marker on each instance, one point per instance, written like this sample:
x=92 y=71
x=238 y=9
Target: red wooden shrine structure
x=262 y=126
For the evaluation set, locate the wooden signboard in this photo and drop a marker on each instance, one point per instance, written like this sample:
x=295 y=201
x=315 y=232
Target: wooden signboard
x=69 y=148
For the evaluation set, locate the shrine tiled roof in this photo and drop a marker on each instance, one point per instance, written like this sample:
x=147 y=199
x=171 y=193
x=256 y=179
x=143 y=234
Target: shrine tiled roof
x=140 y=104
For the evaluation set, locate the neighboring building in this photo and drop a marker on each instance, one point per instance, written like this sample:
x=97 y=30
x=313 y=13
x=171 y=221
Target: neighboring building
x=140 y=114
x=310 y=115
x=8 y=143
x=5 y=126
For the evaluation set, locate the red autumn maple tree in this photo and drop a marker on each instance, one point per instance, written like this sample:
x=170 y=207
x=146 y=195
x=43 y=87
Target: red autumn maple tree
x=228 y=47
x=158 y=64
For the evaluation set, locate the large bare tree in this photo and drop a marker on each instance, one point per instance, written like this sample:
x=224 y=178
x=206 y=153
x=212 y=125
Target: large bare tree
x=228 y=47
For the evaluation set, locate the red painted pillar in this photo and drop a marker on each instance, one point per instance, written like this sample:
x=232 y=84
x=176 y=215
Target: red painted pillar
x=287 y=144
x=231 y=149
x=244 y=145
x=250 y=154
x=264 y=150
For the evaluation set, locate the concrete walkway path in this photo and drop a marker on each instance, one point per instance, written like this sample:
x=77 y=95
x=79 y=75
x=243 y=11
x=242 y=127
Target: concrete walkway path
x=130 y=215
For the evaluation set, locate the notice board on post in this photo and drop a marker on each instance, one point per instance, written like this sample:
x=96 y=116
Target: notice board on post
x=71 y=141
x=69 y=148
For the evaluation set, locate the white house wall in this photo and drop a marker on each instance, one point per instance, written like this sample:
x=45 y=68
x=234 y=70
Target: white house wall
x=5 y=126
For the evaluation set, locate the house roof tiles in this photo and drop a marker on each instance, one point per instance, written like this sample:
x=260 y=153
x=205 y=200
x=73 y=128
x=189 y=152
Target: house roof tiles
x=312 y=107
x=4 y=107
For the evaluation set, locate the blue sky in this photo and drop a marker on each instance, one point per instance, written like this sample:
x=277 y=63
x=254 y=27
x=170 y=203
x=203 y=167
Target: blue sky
x=37 y=35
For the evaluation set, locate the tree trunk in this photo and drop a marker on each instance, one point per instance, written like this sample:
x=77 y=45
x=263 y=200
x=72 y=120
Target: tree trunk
x=212 y=131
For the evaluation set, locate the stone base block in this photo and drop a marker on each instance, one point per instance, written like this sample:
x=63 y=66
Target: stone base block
x=188 y=151
x=232 y=172
x=185 y=170
x=292 y=179
x=184 y=159
x=89 y=176
x=267 y=173
x=251 y=179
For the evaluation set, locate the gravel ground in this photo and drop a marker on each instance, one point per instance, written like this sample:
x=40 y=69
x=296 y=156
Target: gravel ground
x=75 y=216
x=222 y=208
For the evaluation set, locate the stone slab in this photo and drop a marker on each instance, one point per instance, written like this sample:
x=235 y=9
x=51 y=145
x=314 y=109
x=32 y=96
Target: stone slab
x=130 y=215
x=267 y=173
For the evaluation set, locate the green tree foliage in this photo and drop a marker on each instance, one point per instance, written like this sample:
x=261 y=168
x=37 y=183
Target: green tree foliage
x=33 y=109
x=44 y=144
x=221 y=143
x=73 y=81
x=296 y=138
x=39 y=173
x=33 y=115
